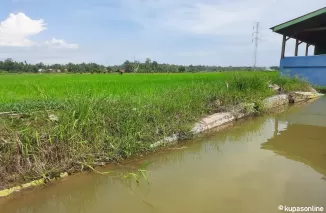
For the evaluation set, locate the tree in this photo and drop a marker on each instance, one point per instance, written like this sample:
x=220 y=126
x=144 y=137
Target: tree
x=71 y=68
x=148 y=61
x=109 y=69
x=181 y=69
x=275 y=67
x=155 y=66
x=40 y=66
x=148 y=66
x=9 y=65
x=192 y=68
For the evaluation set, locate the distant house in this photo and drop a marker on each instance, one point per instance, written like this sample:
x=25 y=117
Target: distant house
x=121 y=71
x=49 y=71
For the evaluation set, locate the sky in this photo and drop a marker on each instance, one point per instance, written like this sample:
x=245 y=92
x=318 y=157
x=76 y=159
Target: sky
x=208 y=32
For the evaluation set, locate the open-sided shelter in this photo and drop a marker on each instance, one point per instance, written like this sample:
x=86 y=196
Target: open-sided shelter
x=310 y=30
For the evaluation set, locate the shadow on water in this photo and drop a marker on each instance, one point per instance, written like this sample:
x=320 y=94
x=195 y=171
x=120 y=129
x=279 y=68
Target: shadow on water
x=300 y=136
x=252 y=167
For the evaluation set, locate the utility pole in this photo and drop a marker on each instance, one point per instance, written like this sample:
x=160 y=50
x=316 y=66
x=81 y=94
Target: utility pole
x=255 y=40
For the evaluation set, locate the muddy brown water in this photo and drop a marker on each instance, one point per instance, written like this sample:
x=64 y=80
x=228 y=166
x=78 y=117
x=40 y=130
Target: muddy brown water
x=253 y=167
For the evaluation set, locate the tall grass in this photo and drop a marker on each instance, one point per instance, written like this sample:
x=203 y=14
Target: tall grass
x=291 y=84
x=106 y=117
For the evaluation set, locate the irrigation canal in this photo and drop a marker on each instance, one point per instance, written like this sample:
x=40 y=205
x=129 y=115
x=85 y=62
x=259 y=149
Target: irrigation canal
x=255 y=166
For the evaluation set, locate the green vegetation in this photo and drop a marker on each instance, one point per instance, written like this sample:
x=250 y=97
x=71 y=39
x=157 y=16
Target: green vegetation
x=148 y=66
x=292 y=84
x=321 y=89
x=64 y=122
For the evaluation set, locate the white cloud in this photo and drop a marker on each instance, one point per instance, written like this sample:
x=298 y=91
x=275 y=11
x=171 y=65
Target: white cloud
x=17 y=28
x=184 y=31
x=62 y=44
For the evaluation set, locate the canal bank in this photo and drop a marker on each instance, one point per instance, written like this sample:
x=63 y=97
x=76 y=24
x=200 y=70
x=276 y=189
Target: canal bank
x=279 y=156
x=206 y=124
x=242 y=111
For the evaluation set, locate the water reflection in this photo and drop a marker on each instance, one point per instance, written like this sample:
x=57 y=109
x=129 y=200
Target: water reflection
x=303 y=143
x=301 y=136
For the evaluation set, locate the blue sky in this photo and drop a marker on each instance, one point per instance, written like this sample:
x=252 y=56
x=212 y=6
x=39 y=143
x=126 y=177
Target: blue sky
x=212 y=32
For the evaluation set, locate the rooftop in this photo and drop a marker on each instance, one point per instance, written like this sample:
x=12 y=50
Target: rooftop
x=309 y=28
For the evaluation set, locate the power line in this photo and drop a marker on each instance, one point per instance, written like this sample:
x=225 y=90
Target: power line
x=255 y=40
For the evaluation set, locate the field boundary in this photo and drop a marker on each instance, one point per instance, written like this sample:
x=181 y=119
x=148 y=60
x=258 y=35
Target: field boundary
x=219 y=119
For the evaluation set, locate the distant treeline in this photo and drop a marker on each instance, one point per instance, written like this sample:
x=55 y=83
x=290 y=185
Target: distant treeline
x=148 y=66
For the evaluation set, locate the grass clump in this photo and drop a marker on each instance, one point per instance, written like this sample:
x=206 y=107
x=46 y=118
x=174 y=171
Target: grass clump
x=292 y=84
x=321 y=89
x=103 y=118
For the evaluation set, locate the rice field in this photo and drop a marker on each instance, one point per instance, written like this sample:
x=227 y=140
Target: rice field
x=27 y=87
x=108 y=117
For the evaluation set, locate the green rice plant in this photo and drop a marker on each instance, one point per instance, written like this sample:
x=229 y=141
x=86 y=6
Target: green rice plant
x=105 y=118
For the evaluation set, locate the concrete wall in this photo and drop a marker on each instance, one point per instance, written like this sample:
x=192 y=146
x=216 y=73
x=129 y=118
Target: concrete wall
x=311 y=68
